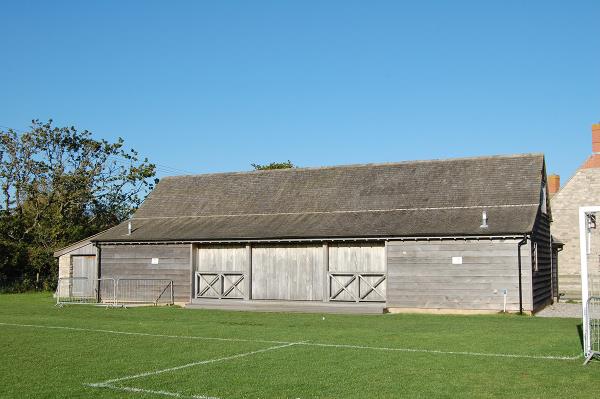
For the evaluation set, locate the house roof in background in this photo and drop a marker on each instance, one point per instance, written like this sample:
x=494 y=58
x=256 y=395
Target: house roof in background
x=419 y=198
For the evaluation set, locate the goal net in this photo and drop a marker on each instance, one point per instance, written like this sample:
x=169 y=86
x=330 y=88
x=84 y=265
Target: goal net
x=589 y=238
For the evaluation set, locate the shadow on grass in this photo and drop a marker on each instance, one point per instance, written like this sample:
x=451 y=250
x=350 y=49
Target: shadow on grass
x=580 y=333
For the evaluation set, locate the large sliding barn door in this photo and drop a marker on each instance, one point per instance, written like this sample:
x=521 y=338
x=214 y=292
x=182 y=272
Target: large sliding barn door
x=290 y=272
x=221 y=272
x=357 y=272
x=84 y=275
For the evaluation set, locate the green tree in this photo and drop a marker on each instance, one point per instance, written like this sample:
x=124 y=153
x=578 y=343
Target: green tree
x=274 y=165
x=59 y=185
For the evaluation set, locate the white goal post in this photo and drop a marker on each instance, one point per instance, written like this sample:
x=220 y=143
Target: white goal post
x=590 y=293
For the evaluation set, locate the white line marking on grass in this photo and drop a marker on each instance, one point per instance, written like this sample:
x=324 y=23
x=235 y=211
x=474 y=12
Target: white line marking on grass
x=342 y=346
x=110 y=383
x=150 y=391
x=198 y=363
x=145 y=334
x=440 y=352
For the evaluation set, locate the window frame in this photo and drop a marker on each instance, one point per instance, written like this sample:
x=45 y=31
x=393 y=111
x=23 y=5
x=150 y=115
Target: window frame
x=535 y=266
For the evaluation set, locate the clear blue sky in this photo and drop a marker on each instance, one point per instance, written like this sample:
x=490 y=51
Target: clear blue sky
x=213 y=86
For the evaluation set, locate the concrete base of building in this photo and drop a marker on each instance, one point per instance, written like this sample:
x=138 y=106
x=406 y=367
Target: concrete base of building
x=451 y=311
x=288 y=306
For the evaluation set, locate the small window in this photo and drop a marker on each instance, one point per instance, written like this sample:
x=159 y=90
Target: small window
x=544 y=199
x=534 y=257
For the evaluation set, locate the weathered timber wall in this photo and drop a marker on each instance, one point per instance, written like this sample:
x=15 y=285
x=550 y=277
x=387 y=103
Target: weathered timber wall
x=421 y=275
x=359 y=257
x=135 y=261
x=64 y=261
x=221 y=258
x=542 y=277
x=287 y=272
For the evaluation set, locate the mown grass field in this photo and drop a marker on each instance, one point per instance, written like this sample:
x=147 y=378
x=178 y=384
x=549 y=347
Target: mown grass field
x=265 y=355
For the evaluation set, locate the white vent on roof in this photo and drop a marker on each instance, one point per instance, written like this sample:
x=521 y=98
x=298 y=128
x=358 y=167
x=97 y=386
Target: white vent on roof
x=484 y=219
x=129 y=228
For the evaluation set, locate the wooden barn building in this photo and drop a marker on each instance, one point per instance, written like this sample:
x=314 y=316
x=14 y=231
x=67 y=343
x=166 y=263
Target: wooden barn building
x=457 y=235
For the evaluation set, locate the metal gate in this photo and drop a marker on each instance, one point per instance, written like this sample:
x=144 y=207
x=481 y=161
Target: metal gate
x=83 y=290
x=139 y=291
x=113 y=292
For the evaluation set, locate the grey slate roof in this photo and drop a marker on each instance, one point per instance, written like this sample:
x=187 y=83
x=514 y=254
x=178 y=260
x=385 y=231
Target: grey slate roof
x=421 y=198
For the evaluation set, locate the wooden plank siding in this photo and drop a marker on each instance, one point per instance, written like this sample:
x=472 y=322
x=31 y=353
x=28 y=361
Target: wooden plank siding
x=135 y=261
x=292 y=271
x=65 y=269
x=222 y=258
x=421 y=274
x=287 y=272
x=357 y=257
x=367 y=260
x=219 y=259
x=542 y=278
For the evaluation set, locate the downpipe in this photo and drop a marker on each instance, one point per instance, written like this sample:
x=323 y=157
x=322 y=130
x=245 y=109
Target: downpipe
x=98 y=270
x=521 y=243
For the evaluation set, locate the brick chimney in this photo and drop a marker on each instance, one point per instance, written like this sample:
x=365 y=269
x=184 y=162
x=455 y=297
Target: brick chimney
x=596 y=138
x=594 y=160
x=553 y=184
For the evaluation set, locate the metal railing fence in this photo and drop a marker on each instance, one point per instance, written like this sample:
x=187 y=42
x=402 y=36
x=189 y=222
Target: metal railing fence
x=84 y=290
x=114 y=292
x=144 y=291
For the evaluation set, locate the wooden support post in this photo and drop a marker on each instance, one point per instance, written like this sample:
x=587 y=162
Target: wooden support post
x=325 y=272
x=192 y=272
x=248 y=276
x=385 y=268
x=98 y=271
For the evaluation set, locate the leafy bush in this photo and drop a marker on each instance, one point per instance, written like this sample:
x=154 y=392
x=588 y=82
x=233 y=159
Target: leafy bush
x=59 y=185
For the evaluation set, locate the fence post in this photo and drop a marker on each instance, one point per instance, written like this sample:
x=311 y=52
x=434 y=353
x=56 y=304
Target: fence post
x=117 y=292
x=592 y=322
x=172 y=294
